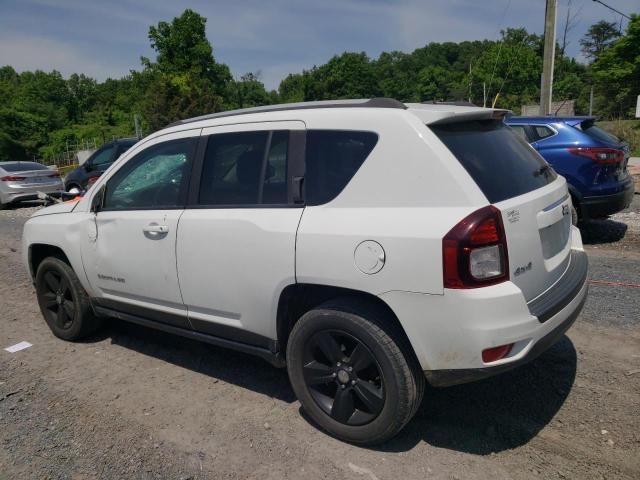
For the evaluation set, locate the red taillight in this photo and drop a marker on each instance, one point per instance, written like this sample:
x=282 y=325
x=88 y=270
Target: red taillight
x=474 y=252
x=601 y=156
x=11 y=178
x=54 y=175
x=496 y=353
x=92 y=180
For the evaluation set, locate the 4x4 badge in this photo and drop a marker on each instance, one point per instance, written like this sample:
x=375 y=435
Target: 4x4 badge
x=521 y=270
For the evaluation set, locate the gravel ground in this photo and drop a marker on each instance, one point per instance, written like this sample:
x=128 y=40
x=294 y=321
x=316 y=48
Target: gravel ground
x=135 y=403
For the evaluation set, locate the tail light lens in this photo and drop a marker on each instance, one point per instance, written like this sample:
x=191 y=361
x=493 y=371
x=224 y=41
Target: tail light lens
x=475 y=251
x=11 y=178
x=496 y=353
x=92 y=180
x=601 y=156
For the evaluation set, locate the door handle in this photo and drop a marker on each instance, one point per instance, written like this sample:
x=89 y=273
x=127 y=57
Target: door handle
x=156 y=229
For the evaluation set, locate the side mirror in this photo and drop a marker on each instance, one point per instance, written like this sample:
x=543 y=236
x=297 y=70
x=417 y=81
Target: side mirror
x=97 y=201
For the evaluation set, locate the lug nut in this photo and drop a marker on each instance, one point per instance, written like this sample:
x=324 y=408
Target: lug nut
x=333 y=374
x=342 y=386
x=353 y=382
x=350 y=368
x=338 y=364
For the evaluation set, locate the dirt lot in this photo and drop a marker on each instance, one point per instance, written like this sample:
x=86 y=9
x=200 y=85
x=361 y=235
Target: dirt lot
x=134 y=403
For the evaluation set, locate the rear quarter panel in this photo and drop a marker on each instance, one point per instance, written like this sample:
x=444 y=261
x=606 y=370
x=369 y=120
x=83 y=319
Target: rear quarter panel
x=408 y=193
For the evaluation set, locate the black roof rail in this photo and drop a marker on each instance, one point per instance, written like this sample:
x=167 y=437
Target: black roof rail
x=362 y=103
x=461 y=103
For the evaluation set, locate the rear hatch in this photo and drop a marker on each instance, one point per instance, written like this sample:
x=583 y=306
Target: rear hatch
x=533 y=200
x=602 y=138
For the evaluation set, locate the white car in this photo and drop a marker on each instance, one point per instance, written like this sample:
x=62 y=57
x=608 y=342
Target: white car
x=367 y=245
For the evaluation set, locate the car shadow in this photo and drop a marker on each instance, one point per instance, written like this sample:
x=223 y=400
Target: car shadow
x=602 y=231
x=229 y=366
x=491 y=415
x=495 y=414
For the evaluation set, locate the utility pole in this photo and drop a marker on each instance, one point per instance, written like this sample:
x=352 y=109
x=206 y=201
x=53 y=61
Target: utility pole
x=548 y=57
x=591 y=101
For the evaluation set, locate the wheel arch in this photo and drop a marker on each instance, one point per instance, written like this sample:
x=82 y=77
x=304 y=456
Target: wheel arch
x=39 y=251
x=297 y=299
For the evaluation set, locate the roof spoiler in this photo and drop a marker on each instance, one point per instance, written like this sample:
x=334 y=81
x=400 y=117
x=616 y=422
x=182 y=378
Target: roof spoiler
x=484 y=114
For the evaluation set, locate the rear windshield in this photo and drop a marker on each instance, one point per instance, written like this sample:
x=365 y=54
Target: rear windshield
x=501 y=163
x=599 y=134
x=22 y=166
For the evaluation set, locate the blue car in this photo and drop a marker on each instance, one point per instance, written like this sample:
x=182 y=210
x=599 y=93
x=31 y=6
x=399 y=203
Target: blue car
x=593 y=161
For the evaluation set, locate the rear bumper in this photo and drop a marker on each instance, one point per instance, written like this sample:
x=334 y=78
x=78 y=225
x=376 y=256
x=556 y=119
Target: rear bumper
x=30 y=193
x=560 y=306
x=449 y=332
x=604 y=205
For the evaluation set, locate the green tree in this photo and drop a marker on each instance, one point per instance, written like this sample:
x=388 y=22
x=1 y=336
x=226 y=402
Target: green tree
x=617 y=72
x=599 y=36
x=185 y=80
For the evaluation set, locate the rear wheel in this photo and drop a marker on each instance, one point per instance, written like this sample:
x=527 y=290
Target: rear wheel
x=63 y=302
x=354 y=372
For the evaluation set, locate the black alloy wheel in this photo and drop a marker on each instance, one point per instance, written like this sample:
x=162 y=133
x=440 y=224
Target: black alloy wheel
x=343 y=377
x=64 y=303
x=57 y=298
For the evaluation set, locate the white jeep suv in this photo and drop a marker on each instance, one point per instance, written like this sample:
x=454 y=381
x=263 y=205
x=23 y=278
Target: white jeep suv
x=367 y=245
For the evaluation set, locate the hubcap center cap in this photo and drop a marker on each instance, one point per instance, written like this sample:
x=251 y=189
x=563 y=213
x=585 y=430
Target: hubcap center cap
x=343 y=376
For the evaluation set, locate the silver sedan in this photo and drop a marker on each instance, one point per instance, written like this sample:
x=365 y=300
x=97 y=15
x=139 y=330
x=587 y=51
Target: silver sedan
x=22 y=180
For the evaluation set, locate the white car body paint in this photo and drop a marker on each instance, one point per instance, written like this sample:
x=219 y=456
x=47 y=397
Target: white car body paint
x=229 y=266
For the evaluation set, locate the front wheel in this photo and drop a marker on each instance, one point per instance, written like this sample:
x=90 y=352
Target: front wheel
x=63 y=301
x=354 y=372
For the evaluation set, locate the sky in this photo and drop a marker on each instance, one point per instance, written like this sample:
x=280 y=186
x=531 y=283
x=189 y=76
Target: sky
x=274 y=37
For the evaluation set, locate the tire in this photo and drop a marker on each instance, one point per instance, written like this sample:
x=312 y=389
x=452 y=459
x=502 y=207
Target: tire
x=59 y=290
x=368 y=389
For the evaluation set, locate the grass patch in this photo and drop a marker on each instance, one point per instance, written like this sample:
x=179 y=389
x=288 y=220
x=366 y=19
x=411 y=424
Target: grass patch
x=627 y=130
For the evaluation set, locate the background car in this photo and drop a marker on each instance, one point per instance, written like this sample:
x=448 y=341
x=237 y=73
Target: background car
x=22 y=180
x=85 y=175
x=593 y=161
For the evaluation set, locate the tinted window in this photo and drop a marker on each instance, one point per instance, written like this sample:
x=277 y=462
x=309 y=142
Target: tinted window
x=599 y=134
x=22 y=166
x=235 y=172
x=543 y=132
x=123 y=147
x=154 y=178
x=501 y=163
x=520 y=130
x=102 y=156
x=333 y=157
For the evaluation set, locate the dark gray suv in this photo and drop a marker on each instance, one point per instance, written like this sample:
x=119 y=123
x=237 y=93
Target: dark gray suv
x=85 y=175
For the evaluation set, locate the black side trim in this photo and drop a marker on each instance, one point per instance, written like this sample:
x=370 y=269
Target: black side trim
x=560 y=295
x=273 y=358
x=445 y=378
x=152 y=315
x=233 y=334
x=364 y=103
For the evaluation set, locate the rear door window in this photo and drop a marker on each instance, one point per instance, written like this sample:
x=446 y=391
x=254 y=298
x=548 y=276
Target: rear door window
x=245 y=168
x=332 y=159
x=501 y=163
x=542 y=132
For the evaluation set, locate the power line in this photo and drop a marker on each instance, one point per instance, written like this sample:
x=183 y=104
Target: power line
x=613 y=9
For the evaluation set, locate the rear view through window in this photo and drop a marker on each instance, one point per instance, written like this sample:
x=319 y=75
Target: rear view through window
x=501 y=163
